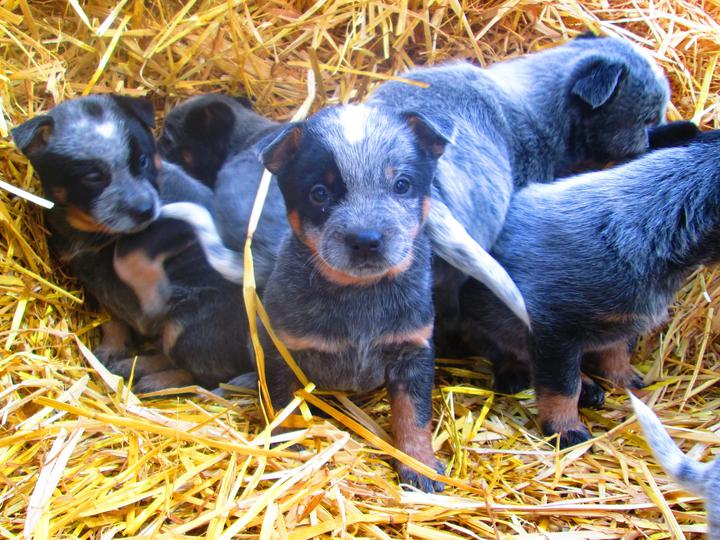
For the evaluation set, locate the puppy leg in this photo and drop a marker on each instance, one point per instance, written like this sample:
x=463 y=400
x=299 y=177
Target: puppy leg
x=141 y=366
x=410 y=381
x=162 y=380
x=139 y=262
x=613 y=363
x=116 y=342
x=556 y=371
x=591 y=393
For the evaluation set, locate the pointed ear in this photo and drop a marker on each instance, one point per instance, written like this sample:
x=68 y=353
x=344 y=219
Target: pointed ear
x=140 y=108
x=32 y=136
x=279 y=148
x=213 y=119
x=428 y=135
x=596 y=81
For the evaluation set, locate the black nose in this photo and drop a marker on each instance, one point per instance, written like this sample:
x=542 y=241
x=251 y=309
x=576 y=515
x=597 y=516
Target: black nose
x=364 y=242
x=143 y=210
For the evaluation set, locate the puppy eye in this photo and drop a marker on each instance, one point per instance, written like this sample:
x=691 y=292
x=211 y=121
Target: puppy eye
x=319 y=194
x=94 y=178
x=402 y=186
x=144 y=161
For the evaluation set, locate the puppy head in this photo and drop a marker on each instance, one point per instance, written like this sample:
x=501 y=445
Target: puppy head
x=618 y=93
x=198 y=133
x=356 y=182
x=96 y=159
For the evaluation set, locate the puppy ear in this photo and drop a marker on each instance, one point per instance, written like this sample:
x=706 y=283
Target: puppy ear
x=596 y=81
x=212 y=120
x=33 y=136
x=428 y=134
x=279 y=148
x=140 y=108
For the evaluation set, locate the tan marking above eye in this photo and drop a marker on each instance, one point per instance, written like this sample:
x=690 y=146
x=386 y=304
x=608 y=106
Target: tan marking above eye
x=390 y=172
x=187 y=157
x=330 y=176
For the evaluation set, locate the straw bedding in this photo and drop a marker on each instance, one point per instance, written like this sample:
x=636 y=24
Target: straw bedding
x=82 y=457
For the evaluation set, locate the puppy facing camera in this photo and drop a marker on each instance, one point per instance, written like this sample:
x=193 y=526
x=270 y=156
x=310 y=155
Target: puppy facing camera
x=97 y=162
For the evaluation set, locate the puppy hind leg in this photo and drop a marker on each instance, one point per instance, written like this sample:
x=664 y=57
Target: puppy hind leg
x=613 y=363
x=410 y=382
x=556 y=372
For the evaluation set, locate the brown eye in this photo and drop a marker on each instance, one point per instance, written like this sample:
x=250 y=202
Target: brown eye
x=319 y=194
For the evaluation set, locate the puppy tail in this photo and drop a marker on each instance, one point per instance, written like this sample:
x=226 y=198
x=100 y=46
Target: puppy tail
x=452 y=242
x=228 y=263
x=686 y=471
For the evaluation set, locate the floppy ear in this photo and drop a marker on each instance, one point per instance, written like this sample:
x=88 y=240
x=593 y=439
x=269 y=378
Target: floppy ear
x=140 y=108
x=32 y=136
x=595 y=82
x=428 y=135
x=212 y=119
x=277 y=149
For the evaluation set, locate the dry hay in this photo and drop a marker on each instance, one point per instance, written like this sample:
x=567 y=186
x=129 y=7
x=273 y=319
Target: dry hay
x=81 y=457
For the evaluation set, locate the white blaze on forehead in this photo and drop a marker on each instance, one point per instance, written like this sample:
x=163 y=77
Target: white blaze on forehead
x=353 y=119
x=106 y=130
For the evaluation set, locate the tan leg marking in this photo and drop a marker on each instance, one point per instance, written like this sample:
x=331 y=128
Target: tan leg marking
x=414 y=440
x=558 y=413
x=162 y=380
x=116 y=340
x=170 y=333
x=612 y=363
x=147 y=278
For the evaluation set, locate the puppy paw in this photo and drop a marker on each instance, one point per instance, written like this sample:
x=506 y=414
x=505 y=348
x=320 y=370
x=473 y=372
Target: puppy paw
x=162 y=380
x=635 y=382
x=415 y=479
x=569 y=436
x=512 y=381
x=591 y=394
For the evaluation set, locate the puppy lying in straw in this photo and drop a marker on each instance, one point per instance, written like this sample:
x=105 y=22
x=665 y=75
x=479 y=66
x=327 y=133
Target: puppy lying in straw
x=97 y=161
x=204 y=132
x=598 y=258
x=700 y=478
x=531 y=119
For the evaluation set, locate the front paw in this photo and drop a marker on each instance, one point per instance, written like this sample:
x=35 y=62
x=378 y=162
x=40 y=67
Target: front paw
x=420 y=481
x=570 y=435
x=512 y=381
x=591 y=394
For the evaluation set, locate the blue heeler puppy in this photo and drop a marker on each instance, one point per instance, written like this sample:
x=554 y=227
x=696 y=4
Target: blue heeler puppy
x=98 y=163
x=702 y=479
x=530 y=119
x=202 y=133
x=598 y=258
x=350 y=294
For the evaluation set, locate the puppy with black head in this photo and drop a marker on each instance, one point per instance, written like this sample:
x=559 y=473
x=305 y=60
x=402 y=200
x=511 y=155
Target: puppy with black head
x=204 y=132
x=97 y=161
x=531 y=119
x=598 y=258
